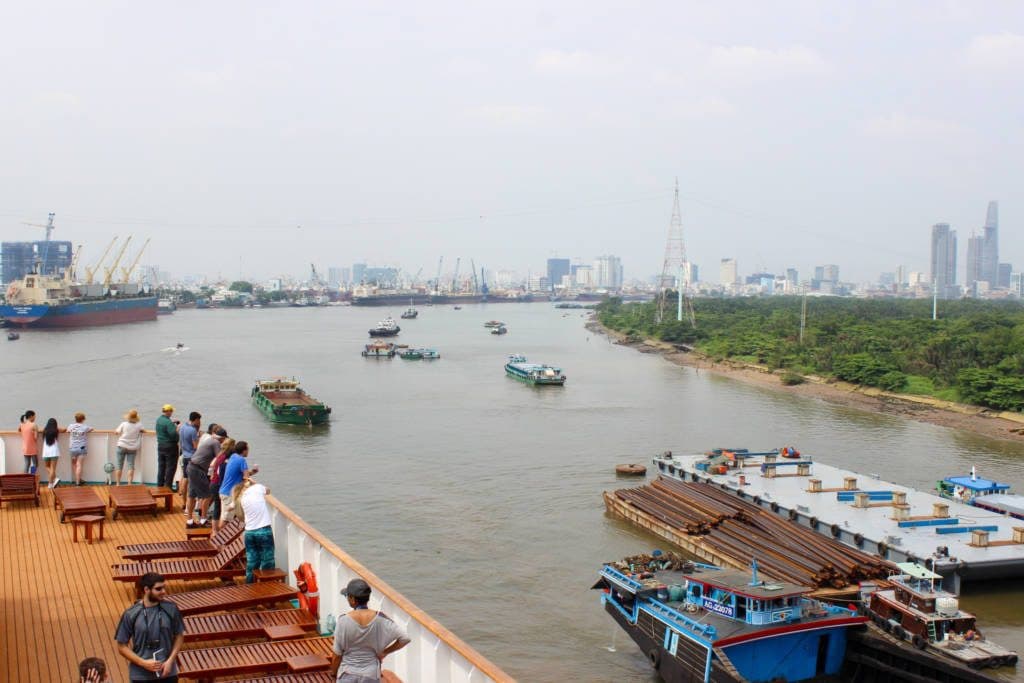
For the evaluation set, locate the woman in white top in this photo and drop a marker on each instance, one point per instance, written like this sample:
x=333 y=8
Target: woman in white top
x=250 y=500
x=129 y=440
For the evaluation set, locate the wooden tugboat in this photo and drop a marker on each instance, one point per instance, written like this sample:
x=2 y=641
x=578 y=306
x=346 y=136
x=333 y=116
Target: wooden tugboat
x=379 y=349
x=914 y=609
x=699 y=623
x=282 y=400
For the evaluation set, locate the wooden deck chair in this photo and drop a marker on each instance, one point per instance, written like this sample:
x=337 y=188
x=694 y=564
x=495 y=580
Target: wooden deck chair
x=270 y=624
x=284 y=656
x=73 y=502
x=386 y=676
x=131 y=499
x=19 y=487
x=201 y=548
x=227 y=563
x=226 y=598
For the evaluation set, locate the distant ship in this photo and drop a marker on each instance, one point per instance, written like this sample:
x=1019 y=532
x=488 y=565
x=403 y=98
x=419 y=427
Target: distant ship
x=366 y=296
x=44 y=301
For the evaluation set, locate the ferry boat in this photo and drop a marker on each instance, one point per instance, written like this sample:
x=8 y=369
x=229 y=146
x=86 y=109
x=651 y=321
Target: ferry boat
x=379 y=349
x=983 y=493
x=701 y=623
x=533 y=373
x=385 y=328
x=914 y=609
x=410 y=314
x=961 y=542
x=282 y=400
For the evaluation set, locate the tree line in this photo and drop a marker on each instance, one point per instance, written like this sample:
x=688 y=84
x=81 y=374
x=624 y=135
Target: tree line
x=974 y=352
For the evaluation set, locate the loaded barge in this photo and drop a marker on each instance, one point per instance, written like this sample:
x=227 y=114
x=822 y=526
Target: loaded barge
x=960 y=542
x=64 y=594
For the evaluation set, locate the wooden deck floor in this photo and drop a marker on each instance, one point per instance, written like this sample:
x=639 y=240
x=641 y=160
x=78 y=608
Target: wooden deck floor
x=58 y=603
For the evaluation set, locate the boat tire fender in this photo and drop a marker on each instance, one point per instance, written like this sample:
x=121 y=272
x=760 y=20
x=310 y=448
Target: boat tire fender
x=919 y=642
x=792 y=515
x=756 y=500
x=813 y=523
x=309 y=592
x=775 y=506
x=882 y=548
x=654 y=657
x=834 y=529
x=858 y=540
x=899 y=632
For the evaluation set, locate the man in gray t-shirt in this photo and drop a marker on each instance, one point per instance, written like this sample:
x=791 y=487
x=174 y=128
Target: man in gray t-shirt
x=363 y=638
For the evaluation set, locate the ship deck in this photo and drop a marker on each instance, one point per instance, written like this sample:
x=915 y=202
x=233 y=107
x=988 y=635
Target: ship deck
x=58 y=604
x=282 y=398
x=788 y=495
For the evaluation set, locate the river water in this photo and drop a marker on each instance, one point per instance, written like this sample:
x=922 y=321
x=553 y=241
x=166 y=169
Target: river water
x=478 y=497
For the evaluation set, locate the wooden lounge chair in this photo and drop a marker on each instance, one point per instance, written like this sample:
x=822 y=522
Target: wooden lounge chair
x=131 y=499
x=224 y=565
x=225 y=598
x=201 y=548
x=270 y=624
x=73 y=502
x=19 y=487
x=314 y=677
x=294 y=656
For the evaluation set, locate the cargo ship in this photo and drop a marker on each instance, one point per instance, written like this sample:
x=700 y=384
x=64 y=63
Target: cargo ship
x=282 y=400
x=700 y=623
x=394 y=298
x=533 y=373
x=43 y=301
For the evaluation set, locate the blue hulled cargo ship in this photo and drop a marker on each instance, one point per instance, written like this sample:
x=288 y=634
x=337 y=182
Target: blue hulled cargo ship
x=700 y=623
x=44 y=301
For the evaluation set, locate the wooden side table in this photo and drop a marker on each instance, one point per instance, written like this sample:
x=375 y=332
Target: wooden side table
x=165 y=494
x=90 y=522
x=262 y=575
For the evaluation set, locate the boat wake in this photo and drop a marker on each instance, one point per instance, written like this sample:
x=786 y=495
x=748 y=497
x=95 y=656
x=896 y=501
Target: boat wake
x=175 y=349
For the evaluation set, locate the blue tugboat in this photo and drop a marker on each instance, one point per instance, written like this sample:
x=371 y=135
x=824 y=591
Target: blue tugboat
x=983 y=493
x=533 y=373
x=700 y=623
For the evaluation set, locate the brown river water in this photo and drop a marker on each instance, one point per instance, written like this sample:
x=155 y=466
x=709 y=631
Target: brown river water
x=478 y=497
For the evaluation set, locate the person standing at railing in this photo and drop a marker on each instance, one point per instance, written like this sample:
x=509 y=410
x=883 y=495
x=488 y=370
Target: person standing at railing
x=51 y=451
x=79 y=443
x=166 y=447
x=29 y=440
x=188 y=438
x=129 y=440
x=250 y=500
x=363 y=638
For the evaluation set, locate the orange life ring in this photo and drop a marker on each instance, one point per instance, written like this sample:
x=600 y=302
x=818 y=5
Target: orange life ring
x=631 y=469
x=309 y=592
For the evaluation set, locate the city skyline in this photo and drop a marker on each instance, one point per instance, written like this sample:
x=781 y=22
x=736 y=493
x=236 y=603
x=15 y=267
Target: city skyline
x=259 y=141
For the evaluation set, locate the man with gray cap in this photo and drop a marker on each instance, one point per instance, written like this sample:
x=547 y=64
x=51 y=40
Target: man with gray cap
x=363 y=638
x=198 y=473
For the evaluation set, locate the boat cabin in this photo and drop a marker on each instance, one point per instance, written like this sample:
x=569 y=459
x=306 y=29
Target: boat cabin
x=278 y=384
x=734 y=595
x=967 y=488
x=918 y=607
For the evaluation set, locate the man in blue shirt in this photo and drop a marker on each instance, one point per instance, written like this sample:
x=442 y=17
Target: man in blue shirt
x=236 y=468
x=188 y=437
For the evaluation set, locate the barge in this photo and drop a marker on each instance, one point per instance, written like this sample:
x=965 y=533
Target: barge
x=962 y=543
x=284 y=401
x=701 y=623
x=537 y=374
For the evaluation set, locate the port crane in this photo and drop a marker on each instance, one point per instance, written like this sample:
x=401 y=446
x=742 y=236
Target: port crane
x=90 y=273
x=437 y=280
x=455 y=278
x=69 y=274
x=416 y=277
x=314 y=279
x=127 y=272
x=48 y=226
x=113 y=266
x=476 y=283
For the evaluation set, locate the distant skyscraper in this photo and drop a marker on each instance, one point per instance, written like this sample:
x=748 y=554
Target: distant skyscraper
x=792 y=276
x=990 y=250
x=1003 y=275
x=557 y=268
x=975 y=262
x=943 y=261
x=19 y=258
x=608 y=272
x=728 y=271
x=830 y=273
x=358 y=272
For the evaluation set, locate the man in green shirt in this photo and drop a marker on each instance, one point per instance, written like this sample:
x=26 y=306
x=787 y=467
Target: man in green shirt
x=166 y=447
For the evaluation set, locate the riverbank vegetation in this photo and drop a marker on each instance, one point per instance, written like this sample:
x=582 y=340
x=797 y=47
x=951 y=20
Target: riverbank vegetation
x=974 y=352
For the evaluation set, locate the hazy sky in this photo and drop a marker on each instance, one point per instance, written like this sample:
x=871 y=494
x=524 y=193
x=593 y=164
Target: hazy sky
x=802 y=133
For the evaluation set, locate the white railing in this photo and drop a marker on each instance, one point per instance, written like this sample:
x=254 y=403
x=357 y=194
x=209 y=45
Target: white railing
x=435 y=655
x=102 y=447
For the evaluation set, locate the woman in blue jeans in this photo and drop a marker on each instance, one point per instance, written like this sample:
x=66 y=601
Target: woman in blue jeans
x=250 y=498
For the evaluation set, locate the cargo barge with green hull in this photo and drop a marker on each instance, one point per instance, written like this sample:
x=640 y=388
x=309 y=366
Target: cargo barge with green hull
x=282 y=400
x=533 y=373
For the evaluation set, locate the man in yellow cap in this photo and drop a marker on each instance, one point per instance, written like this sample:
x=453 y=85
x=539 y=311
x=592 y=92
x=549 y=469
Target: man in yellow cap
x=166 y=447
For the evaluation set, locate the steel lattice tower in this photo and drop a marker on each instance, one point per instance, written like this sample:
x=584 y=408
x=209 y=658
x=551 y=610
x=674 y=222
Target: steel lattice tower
x=675 y=267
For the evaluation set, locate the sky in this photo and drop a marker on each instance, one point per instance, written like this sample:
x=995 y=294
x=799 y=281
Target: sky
x=255 y=138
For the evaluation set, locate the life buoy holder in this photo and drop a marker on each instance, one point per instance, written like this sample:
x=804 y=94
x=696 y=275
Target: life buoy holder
x=309 y=592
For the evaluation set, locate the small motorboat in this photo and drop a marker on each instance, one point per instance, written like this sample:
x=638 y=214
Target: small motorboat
x=458 y=308
x=11 y=336
x=500 y=329
x=430 y=354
